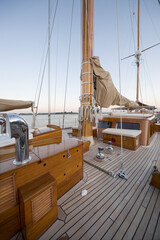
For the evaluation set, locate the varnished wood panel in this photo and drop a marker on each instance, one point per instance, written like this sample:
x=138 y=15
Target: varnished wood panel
x=42 y=204
x=144 y=127
x=9 y=222
x=47 y=158
x=7 y=193
x=38 y=206
x=49 y=133
x=76 y=132
x=53 y=135
x=128 y=142
x=86 y=146
x=155 y=181
x=157 y=127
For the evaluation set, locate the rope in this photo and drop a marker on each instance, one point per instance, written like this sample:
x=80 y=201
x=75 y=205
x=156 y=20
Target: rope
x=148 y=73
x=150 y=79
x=68 y=64
x=43 y=52
x=119 y=68
x=154 y=27
x=141 y=90
x=127 y=68
x=46 y=58
x=56 y=69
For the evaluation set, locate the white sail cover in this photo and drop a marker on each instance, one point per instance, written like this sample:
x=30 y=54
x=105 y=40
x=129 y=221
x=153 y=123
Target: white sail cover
x=106 y=93
x=7 y=105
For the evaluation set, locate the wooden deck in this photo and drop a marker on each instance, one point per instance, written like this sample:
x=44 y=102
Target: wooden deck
x=114 y=208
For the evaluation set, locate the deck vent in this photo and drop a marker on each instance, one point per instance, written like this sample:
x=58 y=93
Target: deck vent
x=7 y=193
x=42 y=204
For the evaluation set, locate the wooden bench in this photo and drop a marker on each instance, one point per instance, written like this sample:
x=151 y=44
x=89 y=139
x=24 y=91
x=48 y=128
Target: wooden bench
x=130 y=138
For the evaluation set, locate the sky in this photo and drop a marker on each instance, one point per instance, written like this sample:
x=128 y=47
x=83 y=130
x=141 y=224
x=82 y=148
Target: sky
x=23 y=31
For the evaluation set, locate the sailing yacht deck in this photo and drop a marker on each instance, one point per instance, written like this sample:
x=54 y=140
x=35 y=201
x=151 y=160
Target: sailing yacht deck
x=113 y=208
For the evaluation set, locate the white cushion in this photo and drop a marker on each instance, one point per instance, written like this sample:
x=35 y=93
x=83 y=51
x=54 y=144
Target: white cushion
x=123 y=132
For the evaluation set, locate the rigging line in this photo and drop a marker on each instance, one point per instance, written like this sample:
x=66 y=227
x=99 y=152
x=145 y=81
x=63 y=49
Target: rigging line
x=135 y=21
x=119 y=71
x=149 y=75
x=49 y=91
x=46 y=58
x=143 y=84
x=68 y=63
x=152 y=21
x=43 y=52
x=150 y=80
x=140 y=89
x=56 y=66
x=85 y=54
x=127 y=68
x=145 y=88
x=132 y=26
x=86 y=41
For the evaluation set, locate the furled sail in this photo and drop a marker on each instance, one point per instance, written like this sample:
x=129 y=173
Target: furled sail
x=106 y=93
x=7 y=105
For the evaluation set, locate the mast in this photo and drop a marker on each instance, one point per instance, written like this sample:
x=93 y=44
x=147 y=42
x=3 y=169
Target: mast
x=87 y=73
x=138 y=54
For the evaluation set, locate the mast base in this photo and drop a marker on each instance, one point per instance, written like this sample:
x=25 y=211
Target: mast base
x=88 y=139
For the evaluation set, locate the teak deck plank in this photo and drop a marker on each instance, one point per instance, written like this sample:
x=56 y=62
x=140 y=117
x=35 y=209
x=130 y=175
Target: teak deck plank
x=116 y=203
x=157 y=230
x=153 y=220
x=78 y=234
x=49 y=233
x=78 y=224
x=145 y=221
x=134 y=225
x=147 y=197
x=113 y=208
x=92 y=191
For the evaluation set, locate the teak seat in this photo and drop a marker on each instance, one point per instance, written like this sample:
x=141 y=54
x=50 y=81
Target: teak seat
x=130 y=138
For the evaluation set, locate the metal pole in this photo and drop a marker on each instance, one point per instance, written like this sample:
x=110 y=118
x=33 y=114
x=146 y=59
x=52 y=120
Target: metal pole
x=49 y=100
x=138 y=54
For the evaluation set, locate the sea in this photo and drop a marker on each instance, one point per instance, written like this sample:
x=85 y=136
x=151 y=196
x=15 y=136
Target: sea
x=70 y=120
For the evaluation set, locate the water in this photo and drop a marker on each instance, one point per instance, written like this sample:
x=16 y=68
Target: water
x=70 y=120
